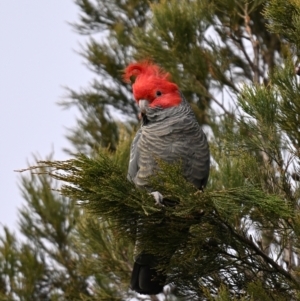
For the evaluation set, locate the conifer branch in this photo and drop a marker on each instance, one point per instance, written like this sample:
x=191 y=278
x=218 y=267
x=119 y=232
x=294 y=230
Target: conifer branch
x=250 y=243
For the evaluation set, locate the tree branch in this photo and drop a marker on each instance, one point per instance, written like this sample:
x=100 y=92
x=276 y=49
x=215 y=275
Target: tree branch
x=266 y=258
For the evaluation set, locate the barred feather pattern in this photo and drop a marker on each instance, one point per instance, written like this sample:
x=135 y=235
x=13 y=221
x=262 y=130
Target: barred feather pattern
x=170 y=134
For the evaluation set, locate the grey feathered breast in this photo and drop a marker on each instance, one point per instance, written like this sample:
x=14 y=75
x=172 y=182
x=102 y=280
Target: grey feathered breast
x=170 y=134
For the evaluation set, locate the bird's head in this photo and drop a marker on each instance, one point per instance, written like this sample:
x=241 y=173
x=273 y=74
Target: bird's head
x=152 y=86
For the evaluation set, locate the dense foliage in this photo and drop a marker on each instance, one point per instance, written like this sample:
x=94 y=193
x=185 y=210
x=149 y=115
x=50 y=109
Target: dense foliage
x=238 y=240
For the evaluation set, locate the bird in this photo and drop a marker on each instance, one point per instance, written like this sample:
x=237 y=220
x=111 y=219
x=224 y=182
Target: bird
x=169 y=131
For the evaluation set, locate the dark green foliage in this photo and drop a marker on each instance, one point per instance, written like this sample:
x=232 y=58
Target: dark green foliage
x=64 y=247
x=239 y=239
x=284 y=20
x=203 y=232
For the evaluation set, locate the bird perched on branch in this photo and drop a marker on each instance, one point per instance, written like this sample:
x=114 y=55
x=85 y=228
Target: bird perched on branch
x=169 y=131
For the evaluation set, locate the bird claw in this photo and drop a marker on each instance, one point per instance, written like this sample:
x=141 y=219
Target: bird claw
x=198 y=192
x=158 y=197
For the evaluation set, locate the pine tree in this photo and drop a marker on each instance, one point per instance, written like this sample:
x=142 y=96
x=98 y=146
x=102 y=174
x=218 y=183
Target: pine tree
x=235 y=63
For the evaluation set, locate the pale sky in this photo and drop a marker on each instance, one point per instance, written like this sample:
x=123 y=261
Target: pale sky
x=37 y=59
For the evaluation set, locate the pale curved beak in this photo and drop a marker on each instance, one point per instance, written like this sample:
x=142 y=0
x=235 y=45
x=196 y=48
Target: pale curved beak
x=143 y=104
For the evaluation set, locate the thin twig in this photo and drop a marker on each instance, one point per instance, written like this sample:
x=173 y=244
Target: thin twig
x=259 y=252
x=254 y=42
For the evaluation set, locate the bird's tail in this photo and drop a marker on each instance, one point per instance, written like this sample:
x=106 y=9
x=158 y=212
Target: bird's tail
x=145 y=278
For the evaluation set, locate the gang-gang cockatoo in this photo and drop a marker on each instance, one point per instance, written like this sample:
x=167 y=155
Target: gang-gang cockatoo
x=169 y=131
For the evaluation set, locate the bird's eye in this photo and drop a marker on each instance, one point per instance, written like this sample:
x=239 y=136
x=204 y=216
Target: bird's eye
x=158 y=93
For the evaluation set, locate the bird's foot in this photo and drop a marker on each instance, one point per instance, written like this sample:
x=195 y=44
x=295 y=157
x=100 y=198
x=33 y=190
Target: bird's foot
x=198 y=192
x=158 y=197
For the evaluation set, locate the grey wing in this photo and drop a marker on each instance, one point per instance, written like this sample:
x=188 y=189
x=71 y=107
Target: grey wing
x=134 y=157
x=200 y=162
x=195 y=158
x=189 y=143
